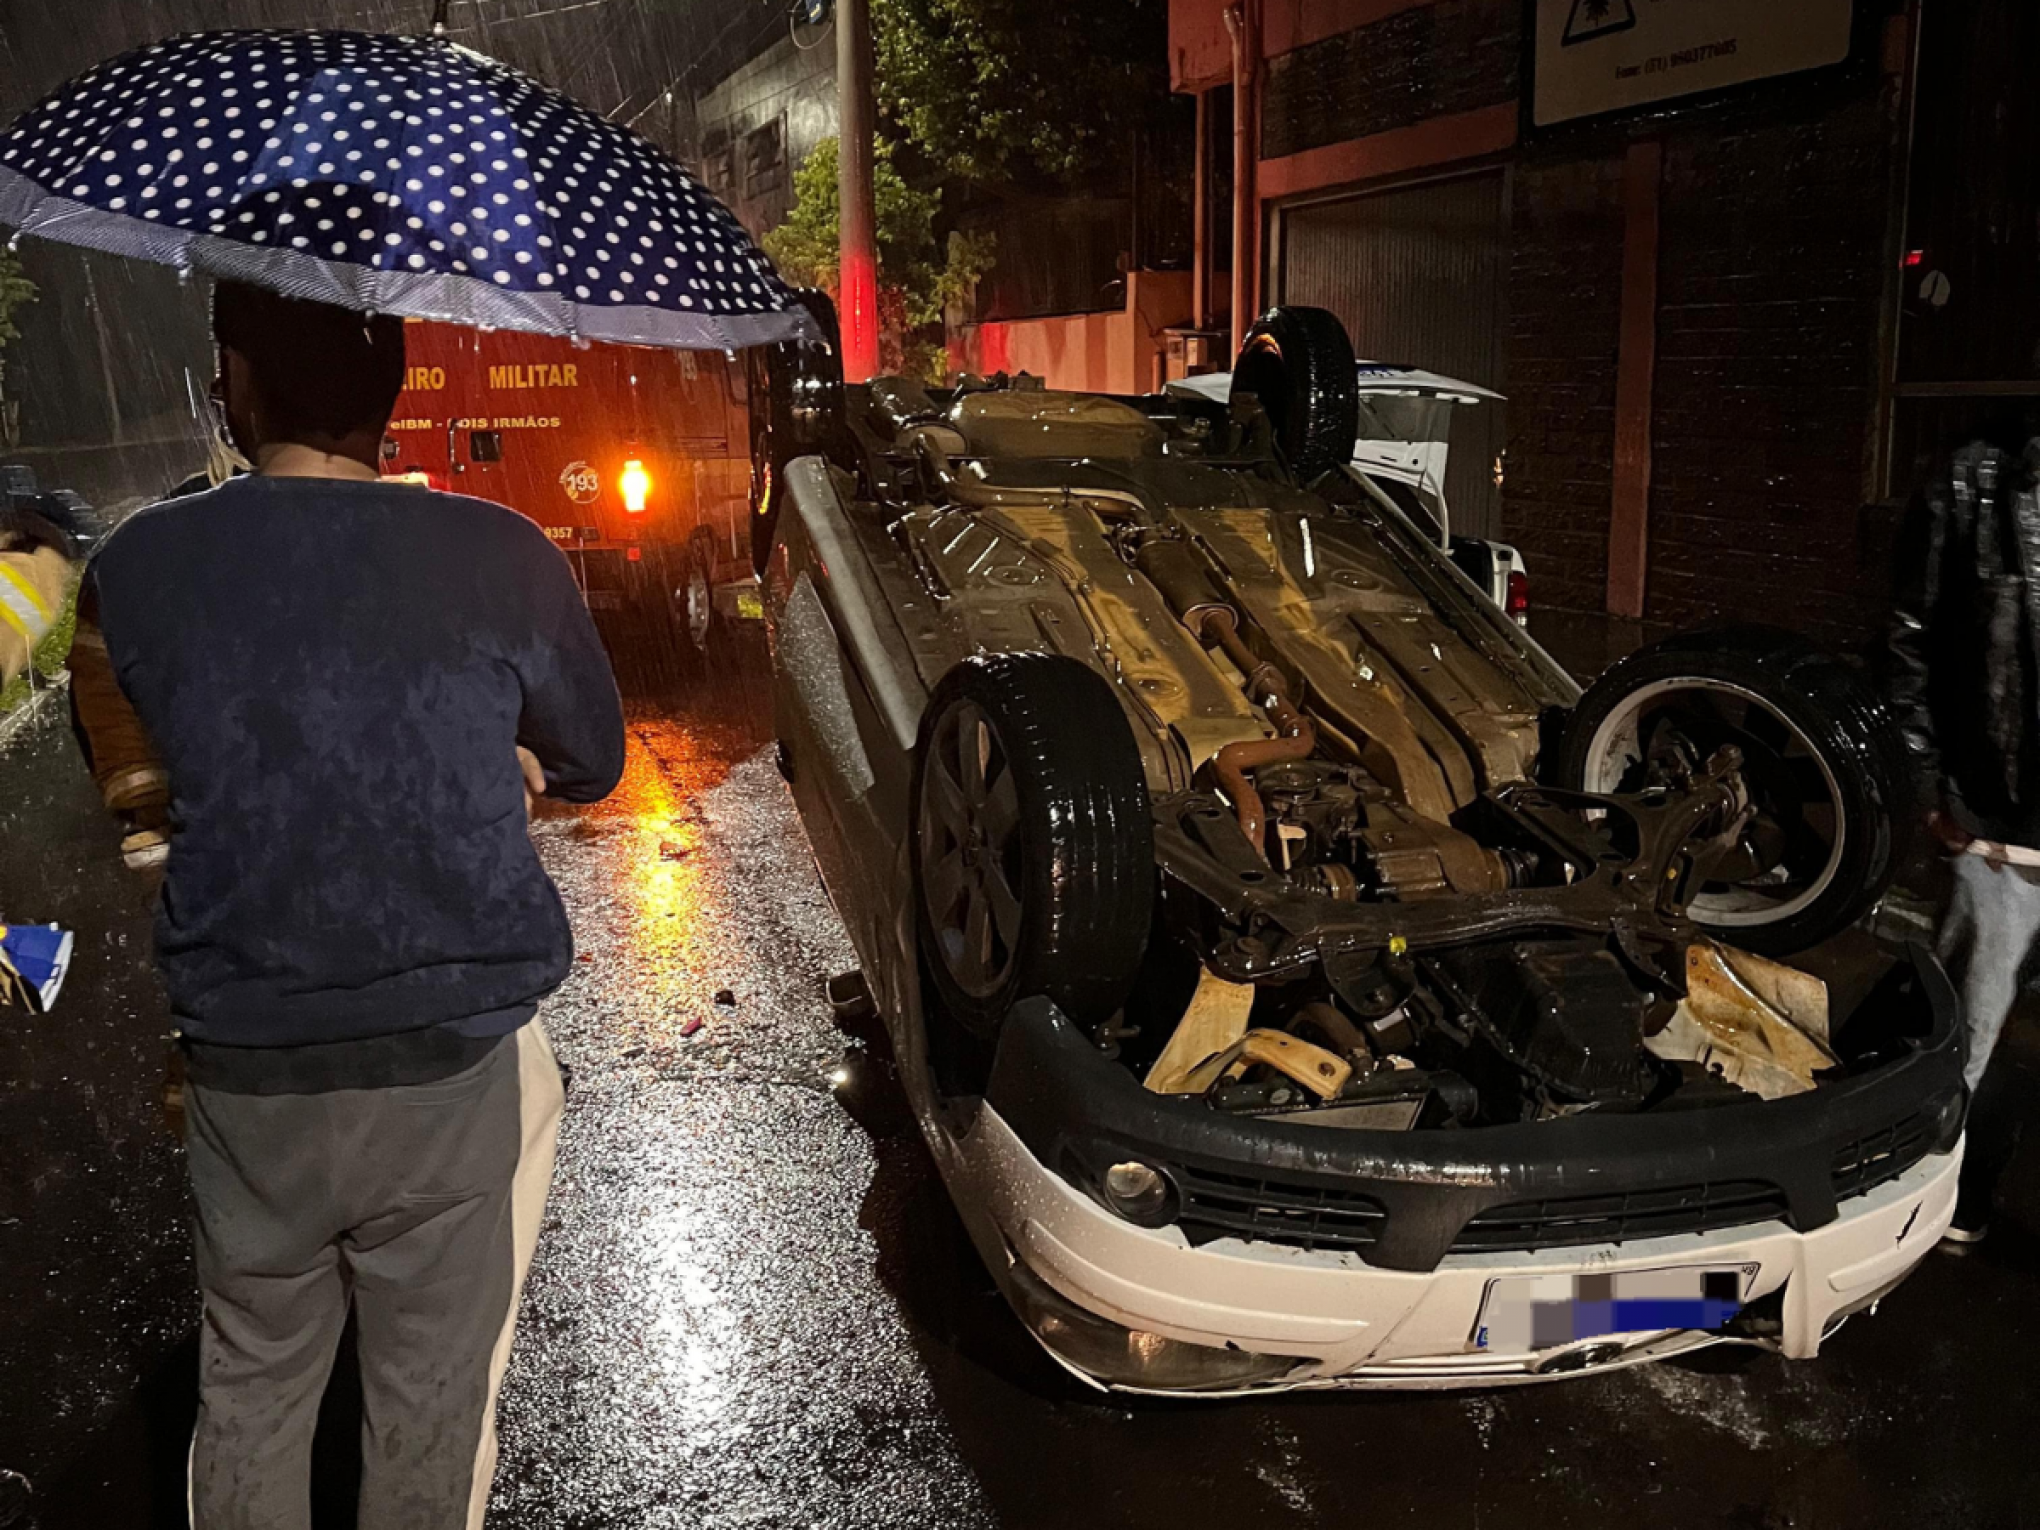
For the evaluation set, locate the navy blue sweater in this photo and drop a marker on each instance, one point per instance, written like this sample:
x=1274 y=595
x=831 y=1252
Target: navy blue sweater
x=336 y=675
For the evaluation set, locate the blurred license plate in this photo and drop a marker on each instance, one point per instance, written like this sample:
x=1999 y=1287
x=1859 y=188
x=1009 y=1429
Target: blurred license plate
x=1523 y=1313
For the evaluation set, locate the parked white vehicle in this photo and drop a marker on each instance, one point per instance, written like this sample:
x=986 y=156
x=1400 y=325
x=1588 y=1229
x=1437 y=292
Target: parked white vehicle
x=1404 y=443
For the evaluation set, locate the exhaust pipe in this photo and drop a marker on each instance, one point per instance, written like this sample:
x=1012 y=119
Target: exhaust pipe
x=1186 y=586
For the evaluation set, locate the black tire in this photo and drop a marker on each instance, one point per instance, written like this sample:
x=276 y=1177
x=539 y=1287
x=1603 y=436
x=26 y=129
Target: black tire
x=1299 y=363
x=692 y=627
x=1823 y=760
x=813 y=371
x=796 y=409
x=1050 y=839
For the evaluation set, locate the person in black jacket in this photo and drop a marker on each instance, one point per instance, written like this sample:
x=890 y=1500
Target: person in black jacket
x=1963 y=654
x=350 y=686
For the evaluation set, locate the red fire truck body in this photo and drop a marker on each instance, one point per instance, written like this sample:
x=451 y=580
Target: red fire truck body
x=635 y=461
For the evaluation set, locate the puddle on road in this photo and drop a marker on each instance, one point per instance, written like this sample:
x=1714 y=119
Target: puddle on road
x=706 y=1340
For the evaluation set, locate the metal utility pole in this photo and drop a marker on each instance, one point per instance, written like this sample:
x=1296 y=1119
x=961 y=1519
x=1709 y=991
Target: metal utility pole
x=1243 y=22
x=857 y=117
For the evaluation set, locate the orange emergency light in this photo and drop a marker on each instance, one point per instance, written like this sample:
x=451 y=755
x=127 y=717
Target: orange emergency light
x=635 y=485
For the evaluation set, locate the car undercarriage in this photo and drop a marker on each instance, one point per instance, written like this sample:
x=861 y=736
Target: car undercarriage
x=1202 y=821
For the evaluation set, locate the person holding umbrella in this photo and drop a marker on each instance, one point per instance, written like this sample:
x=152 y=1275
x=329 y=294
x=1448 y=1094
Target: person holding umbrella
x=340 y=678
x=337 y=674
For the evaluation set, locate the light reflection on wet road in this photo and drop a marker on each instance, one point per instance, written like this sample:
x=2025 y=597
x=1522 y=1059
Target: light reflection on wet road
x=706 y=1341
x=753 y=1305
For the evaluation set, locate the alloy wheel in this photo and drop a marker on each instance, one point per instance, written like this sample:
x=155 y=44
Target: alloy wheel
x=1792 y=850
x=970 y=851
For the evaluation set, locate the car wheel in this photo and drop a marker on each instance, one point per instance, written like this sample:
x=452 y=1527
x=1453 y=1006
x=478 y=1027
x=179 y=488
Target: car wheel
x=1033 y=840
x=1299 y=363
x=1822 y=758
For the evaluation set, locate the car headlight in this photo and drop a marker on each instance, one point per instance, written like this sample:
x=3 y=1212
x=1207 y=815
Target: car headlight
x=1117 y=1356
x=1140 y=1192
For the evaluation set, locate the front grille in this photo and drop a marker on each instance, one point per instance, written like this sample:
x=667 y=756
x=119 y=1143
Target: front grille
x=1301 y=1215
x=1568 y=1221
x=1311 y=1215
x=1877 y=1158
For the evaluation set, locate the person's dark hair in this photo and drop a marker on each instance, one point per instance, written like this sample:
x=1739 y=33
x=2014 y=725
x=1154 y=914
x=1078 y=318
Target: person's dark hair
x=324 y=371
x=22 y=530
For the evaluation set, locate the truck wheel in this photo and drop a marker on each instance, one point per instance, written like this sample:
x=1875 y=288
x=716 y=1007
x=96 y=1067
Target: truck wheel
x=693 y=625
x=1299 y=363
x=1033 y=847
x=1822 y=758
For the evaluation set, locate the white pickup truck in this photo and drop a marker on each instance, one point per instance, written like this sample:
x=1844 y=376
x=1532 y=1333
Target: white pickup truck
x=1405 y=438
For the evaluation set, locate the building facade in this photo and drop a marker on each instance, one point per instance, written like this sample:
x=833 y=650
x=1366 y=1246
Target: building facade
x=1705 y=249
x=757 y=125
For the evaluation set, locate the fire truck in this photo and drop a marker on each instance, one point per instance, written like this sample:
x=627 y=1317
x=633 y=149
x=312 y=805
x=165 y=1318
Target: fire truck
x=635 y=461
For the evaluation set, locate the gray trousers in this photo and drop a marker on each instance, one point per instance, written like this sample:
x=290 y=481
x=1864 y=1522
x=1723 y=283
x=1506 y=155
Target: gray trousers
x=1987 y=941
x=420 y=1207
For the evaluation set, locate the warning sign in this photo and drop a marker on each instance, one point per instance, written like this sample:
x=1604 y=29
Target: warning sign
x=1597 y=18
x=1598 y=56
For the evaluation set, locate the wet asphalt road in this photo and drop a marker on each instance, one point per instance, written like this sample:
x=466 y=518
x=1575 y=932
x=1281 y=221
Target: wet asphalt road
x=753 y=1306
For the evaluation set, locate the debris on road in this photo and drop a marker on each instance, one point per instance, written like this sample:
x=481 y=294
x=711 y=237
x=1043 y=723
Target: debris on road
x=691 y=1027
x=850 y=998
x=33 y=961
x=726 y=998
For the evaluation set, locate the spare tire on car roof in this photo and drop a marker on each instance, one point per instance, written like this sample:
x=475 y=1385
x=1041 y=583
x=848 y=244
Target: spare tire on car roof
x=1299 y=363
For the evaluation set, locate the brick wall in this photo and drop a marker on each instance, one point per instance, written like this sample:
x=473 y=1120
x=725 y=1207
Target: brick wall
x=1770 y=282
x=1119 y=351
x=1431 y=61
x=1770 y=272
x=1564 y=305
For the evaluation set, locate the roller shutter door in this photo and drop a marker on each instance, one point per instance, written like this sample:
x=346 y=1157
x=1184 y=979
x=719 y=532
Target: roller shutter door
x=1416 y=273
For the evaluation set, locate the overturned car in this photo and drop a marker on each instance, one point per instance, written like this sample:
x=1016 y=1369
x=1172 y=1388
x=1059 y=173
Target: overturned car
x=1299 y=982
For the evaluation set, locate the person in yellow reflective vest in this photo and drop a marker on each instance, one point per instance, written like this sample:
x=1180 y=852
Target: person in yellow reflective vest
x=35 y=576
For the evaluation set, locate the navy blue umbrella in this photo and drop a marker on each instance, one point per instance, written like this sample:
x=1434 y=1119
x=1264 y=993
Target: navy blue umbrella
x=402 y=175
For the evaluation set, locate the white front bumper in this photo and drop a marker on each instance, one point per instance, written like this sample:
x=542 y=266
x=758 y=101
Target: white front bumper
x=1353 y=1325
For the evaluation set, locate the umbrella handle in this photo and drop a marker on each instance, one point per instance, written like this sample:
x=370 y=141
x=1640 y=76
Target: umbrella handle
x=439 y=9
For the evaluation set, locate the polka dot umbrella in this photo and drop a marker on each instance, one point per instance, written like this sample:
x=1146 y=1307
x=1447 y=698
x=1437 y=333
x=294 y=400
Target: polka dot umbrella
x=402 y=175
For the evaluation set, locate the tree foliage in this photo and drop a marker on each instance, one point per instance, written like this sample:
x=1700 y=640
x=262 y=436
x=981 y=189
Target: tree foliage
x=15 y=290
x=916 y=279
x=1021 y=92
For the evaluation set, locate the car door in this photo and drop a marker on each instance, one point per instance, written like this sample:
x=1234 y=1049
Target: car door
x=846 y=704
